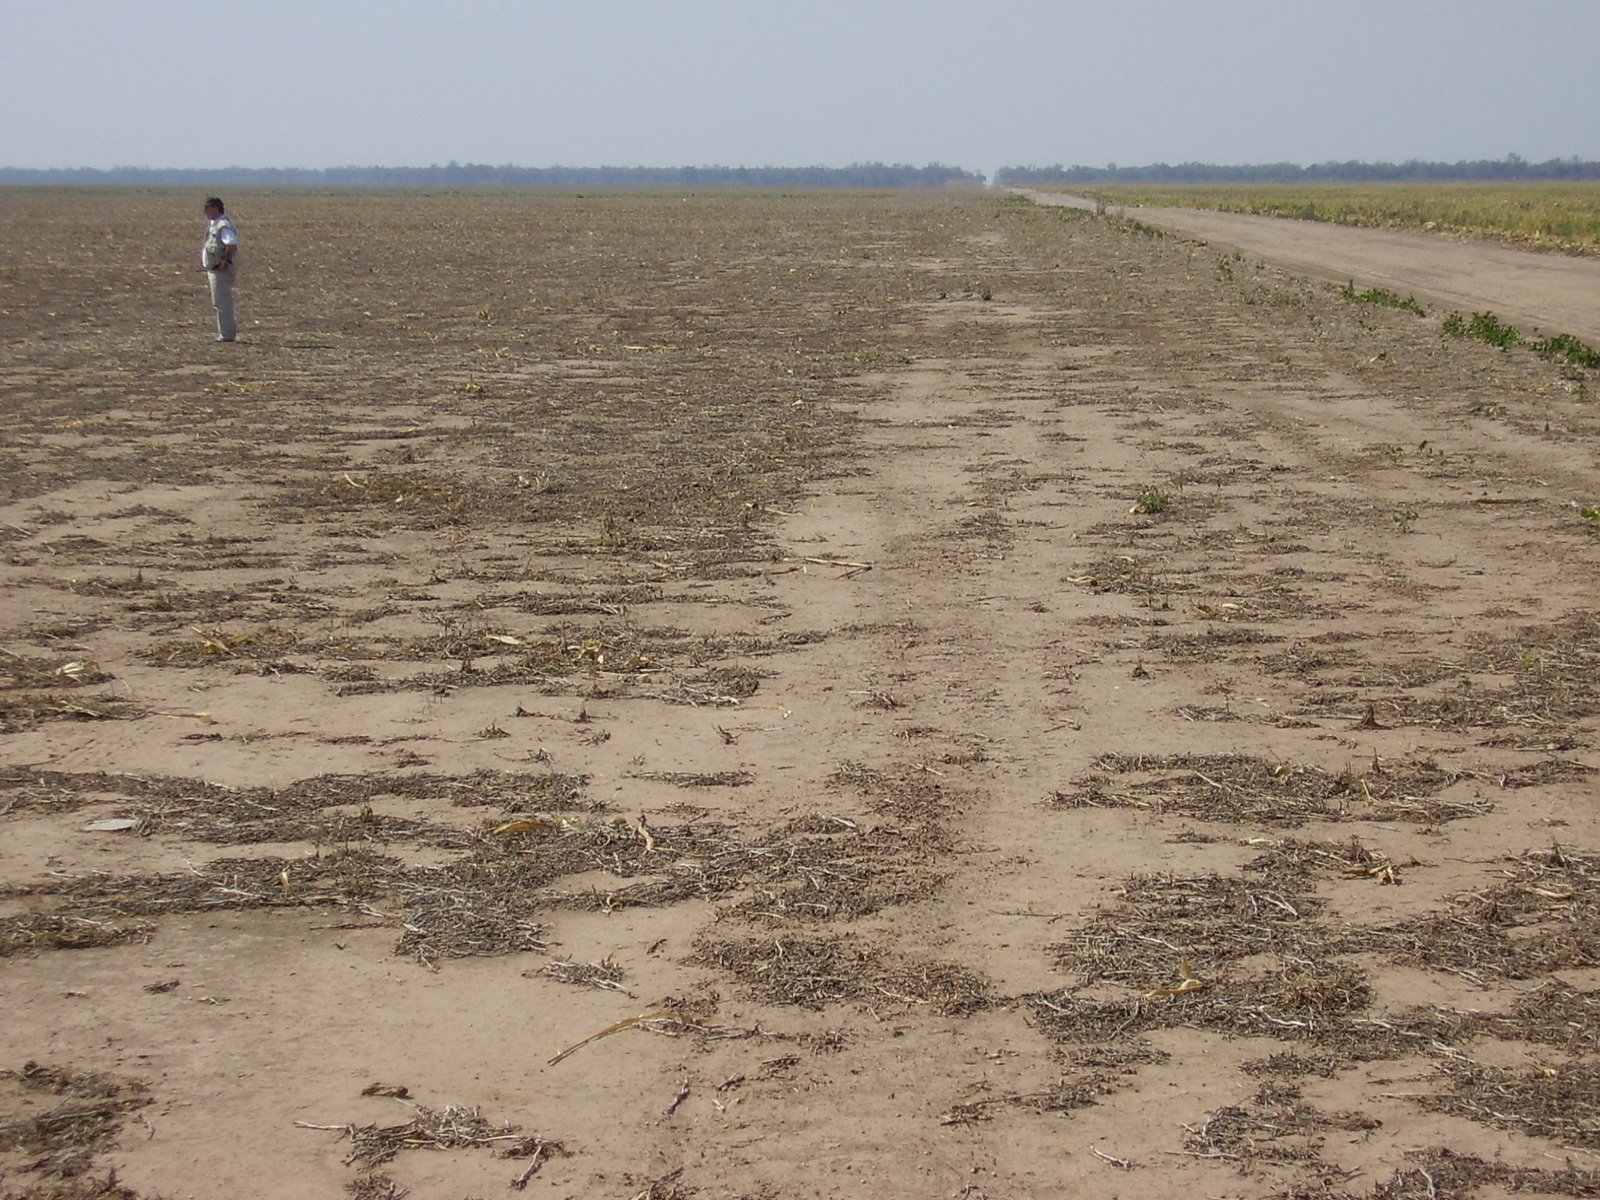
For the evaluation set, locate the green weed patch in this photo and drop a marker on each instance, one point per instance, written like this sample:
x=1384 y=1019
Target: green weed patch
x=1382 y=297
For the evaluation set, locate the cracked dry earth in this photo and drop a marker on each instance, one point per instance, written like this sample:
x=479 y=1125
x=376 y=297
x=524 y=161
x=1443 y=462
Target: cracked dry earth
x=758 y=695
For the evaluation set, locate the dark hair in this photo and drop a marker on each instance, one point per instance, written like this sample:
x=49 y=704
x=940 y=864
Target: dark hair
x=212 y=200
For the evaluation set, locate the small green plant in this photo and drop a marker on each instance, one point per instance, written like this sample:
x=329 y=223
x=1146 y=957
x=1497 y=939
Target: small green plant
x=1397 y=454
x=1432 y=454
x=1487 y=327
x=1405 y=519
x=1484 y=327
x=1591 y=517
x=1569 y=348
x=1382 y=297
x=1488 y=410
x=1224 y=270
x=1150 y=500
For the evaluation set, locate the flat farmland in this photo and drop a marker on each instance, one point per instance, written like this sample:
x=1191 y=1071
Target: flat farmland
x=781 y=695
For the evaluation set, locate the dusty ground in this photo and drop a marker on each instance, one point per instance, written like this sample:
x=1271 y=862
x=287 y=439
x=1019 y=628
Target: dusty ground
x=970 y=699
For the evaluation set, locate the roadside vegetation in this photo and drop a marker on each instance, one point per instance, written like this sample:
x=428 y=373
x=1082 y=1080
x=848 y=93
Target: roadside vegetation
x=1382 y=297
x=1486 y=327
x=1564 y=218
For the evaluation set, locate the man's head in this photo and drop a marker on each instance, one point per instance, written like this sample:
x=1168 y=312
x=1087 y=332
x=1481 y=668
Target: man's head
x=213 y=207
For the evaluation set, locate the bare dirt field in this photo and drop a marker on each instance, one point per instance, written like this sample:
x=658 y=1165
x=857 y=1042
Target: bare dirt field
x=834 y=695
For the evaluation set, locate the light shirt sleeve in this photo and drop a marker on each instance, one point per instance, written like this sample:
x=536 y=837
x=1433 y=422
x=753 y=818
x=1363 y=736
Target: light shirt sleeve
x=227 y=236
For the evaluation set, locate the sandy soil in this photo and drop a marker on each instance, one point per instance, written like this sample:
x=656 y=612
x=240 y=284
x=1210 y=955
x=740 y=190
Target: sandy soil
x=968 y=699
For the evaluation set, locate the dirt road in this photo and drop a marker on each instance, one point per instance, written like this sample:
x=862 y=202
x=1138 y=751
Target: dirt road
x=782 y=696
x=1544 y=293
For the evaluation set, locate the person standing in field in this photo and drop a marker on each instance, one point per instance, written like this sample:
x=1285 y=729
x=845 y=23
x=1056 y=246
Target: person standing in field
x=218 y=254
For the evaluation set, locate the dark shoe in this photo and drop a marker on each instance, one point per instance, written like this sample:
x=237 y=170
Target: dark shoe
x=224 y=339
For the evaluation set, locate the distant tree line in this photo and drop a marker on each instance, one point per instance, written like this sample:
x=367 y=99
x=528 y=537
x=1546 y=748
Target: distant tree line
x=482 y=175
x=1511 y=168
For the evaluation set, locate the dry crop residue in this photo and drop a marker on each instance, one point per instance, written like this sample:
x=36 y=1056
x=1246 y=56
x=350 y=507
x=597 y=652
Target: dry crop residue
x=782 y=695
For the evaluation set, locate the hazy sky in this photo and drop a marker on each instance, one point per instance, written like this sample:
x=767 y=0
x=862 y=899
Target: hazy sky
x=318 y=83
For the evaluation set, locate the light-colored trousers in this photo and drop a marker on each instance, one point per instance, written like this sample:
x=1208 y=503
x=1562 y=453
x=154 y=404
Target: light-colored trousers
x=222 y=300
